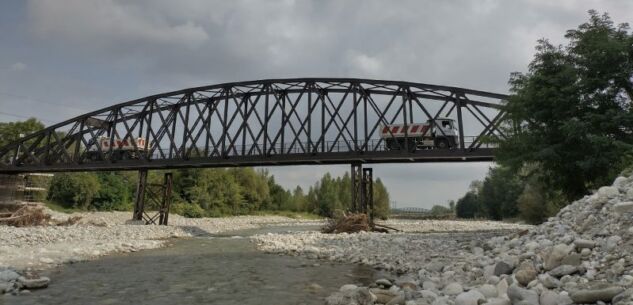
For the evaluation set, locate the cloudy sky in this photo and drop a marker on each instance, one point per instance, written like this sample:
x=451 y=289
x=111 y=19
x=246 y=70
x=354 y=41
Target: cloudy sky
x=61 y=58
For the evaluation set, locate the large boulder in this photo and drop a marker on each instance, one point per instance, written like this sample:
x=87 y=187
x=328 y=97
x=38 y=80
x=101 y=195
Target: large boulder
x=593 y=292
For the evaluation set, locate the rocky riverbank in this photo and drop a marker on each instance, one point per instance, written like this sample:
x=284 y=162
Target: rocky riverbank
x=581 y=256
x=25 y=250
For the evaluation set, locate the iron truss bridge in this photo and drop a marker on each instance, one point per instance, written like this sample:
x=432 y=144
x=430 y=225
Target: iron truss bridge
x=267 y=122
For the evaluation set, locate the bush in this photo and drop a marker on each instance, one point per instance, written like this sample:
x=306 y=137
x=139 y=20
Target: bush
x=536 y=204
x=73 y=190
x=113 y=195
x=189 y=210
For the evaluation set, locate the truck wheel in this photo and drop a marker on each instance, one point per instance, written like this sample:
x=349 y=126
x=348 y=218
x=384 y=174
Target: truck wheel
x=441 y=144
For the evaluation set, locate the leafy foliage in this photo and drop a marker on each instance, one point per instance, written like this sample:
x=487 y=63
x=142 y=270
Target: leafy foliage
x=11 y=131
x=574 y=105
x=76 y=190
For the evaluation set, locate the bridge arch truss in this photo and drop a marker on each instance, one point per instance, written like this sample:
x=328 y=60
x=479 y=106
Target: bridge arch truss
x=266 y=122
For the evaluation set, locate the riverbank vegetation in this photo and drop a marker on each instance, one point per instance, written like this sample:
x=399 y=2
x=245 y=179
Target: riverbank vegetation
x=569 y=126
x=211 y=193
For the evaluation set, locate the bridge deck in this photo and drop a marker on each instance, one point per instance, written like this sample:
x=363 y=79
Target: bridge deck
x=432 y=155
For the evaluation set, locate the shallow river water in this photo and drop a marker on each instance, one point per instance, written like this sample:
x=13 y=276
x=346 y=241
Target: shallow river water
x=221 y=269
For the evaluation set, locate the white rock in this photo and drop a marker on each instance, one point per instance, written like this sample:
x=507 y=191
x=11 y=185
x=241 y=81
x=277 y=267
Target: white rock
x=608 y=191
x=623 y=207
x=502 y=287
x=429 y=285
x=613 y=241
x=498 y=301
x=453 y=289
x=348 y=287
x=472 y=297
x=518 y=294
x=549 y=297
x=8 y=276
x=489 y=291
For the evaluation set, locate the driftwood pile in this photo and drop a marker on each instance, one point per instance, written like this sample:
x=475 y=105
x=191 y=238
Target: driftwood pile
x=352 y=223
x=26 y=215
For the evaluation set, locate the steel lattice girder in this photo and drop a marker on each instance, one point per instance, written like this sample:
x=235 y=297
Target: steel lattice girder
x=266 y=122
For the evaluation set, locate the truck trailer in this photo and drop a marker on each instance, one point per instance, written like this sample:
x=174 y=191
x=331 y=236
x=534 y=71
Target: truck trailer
x=122 y=149
x=439 y=133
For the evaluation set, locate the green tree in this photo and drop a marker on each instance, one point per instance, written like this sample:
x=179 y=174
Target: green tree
x=73 y=190
x=468 y=206
x=113 y=193
x=217 y=192
x=499 y=193
x=10 y=132
x=440 y=210
x=299 y=200
x=537 y=202
x=381 y=200
x=570 y=115
x=254 y=188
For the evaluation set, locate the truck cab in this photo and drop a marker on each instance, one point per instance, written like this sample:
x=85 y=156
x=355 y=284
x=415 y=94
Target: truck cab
x=444 y=133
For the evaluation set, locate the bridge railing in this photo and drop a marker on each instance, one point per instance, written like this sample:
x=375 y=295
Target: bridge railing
x=289 y=148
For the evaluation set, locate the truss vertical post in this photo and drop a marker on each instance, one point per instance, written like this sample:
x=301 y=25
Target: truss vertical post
x=356 y=175
x=139 y=205
x=460 y=122
x=166 y=202
x=368 y=192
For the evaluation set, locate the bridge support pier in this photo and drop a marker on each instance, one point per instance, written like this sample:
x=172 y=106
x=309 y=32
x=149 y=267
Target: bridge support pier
x=362 y=190
x=139 y=202
x=158 y=195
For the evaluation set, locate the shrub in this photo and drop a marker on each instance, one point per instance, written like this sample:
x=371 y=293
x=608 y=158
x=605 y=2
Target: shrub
x=73 y=190
x=189 y=210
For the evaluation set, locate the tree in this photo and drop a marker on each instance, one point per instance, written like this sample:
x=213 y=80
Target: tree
x=10 y=132
x=499 y=193
x=536 y=203
x=571 y=116
x=440 y=210
x=217 y=192
x=73 y=190
x=299 y=200
x=381 y=200
x=467 y=206
x=113 y=193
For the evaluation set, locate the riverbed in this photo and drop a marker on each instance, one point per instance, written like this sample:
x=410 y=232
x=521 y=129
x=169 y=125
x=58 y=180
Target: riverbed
x=216 y=269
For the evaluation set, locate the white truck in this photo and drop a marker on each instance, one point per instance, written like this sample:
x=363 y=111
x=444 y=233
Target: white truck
x=121 y=149
x=441 y=135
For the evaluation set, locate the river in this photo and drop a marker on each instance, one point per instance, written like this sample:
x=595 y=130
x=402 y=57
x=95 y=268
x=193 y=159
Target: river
x=218 y=269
